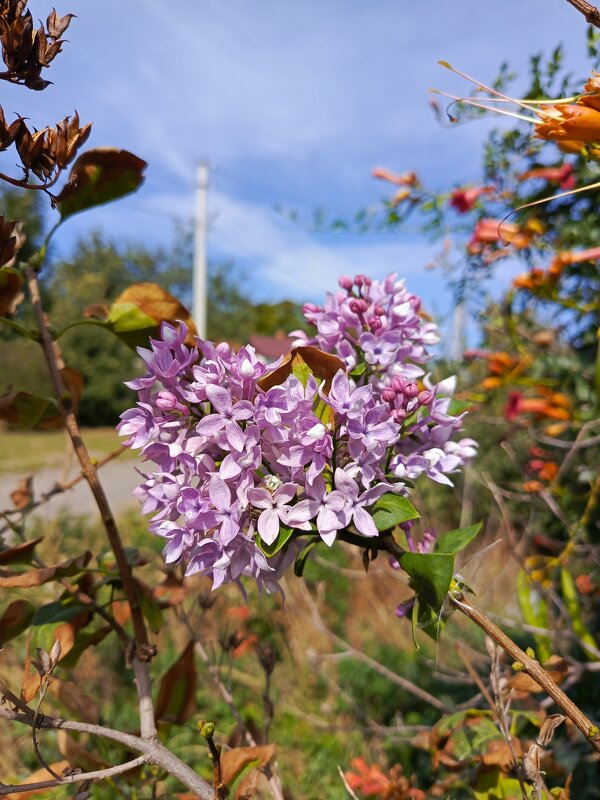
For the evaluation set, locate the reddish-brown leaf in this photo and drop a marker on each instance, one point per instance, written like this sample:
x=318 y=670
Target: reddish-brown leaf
x=15 y=619
x=158 y=304
x=20 y=553
x=176 y=701
x=234 y=762
x=11 y=294
x=322 y=365
x=23 y=495
x=36 y=577
x=555 y=666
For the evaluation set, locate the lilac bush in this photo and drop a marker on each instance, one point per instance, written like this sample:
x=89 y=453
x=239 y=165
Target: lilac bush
x=245 y=470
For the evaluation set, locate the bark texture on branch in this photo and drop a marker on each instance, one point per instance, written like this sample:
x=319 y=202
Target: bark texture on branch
x=590 y=12
x=532 y=668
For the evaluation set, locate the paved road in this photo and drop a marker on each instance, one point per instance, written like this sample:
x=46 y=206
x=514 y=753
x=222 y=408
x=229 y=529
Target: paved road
x=118 y=478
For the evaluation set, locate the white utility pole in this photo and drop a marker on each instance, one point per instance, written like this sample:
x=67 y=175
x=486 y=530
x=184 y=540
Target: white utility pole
x=457 y=332
x=200 y=270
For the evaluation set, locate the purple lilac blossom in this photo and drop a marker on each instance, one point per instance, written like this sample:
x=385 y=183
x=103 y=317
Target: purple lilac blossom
x=235 y=465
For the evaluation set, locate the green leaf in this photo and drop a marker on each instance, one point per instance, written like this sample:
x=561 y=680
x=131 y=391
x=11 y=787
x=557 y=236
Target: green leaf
x=58 y=611
x=152 y=611
x=300 y=561
x=456 y=540
x=302 y=371
x=414 y=622
x=390 y=510
x=282 y=537
x=358 y=370
x=100 y=176
x=430 y=575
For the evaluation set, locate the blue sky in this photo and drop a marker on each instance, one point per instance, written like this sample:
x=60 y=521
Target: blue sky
x=292 y=103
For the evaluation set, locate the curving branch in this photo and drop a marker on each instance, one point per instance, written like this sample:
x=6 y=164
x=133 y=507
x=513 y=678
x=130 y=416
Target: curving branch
x=153 y=751
x=590 y=12
x=78 y=777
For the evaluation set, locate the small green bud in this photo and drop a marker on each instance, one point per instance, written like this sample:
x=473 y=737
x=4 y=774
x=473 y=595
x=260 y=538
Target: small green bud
x=517 y=666
x=593 y=731
x=207 y=729
x=530 y=652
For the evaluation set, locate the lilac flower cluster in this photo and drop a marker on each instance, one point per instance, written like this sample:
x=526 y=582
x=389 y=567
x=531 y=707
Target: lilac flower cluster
x=378 y=330
x=238 y=466
x=244 y=469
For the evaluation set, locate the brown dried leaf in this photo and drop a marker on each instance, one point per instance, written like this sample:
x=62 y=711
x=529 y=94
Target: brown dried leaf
x=66 y=632
x=36 y=577
x=20 y=553
x=555 y=666
x=15 y=619
x=157 y=304
x=234 y=762
x=322 y=365
x=30 y=682
x=22 y=496
x=176 y=701
x=499 y=753
x=11 y=294
x=549 y=726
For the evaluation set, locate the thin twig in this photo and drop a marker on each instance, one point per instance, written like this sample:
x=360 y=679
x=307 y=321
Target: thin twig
x=79 y=777
x=346 y=784
x=532 y=668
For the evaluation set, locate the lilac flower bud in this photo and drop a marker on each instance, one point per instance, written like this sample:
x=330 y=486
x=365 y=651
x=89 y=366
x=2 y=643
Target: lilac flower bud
x=358 y=306
x=379 y=310
x=425 y=397
x=397 y=384
x=166 y=401
x=411 y=390
x=388 y=394
x=375 y=324
x=345 y=282
x=362 y=280
x=247 y=369
x=310 y=308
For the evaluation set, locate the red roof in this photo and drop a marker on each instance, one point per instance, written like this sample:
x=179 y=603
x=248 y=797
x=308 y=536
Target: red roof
x=271 y=347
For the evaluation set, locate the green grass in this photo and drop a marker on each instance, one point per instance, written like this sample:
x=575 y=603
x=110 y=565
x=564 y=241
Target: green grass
x=22 y=451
